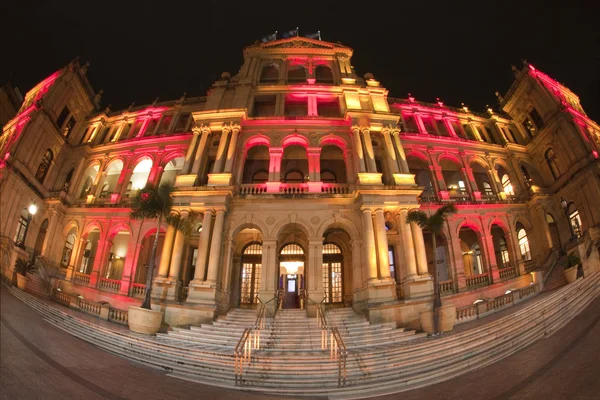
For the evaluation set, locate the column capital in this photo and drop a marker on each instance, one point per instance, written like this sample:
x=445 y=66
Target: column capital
x=275 y=150
x=314 y=150
x=366 y=209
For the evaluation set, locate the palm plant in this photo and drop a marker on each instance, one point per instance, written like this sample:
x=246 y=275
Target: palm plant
x=23 y=266
x=152 y=203
x=434 y=224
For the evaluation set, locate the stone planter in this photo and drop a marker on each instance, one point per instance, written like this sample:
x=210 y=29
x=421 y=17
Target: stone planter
x=142 y=320
x=447 y=317
x=22 y=281
x=571 y=274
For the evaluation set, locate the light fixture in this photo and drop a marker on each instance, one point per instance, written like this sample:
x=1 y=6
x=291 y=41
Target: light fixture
x=32 y=209
x=563 y=203
x=508 y=291
x=478 y=301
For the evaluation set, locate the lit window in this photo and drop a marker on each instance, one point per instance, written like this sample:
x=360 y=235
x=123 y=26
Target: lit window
x=44 y=166
x=575 y=222
x=552 y=164
x=524 y=244
x=506 y=185
x=21 y=229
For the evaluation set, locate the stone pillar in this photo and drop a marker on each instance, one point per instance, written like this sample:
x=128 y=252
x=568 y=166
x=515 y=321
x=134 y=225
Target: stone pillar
x=467 y=172
x=358 y=149
x=391 y=153
x=142 y=130
x=408 y=245
x=314 y=169
x=269 y=274
x=370 y=252
x=420 y=252
x=370 y=156
x=491 y=257
x=219 y=161
x=133 y=251
x=275 y=156
x=357 y=270
x=102 y=251
x=315 y=269
x=175 y=265
x=167 y=249
x=214 y=260
x=401 y=154
x=449 y=127
x=458 y=264
x=189 y=156
x=515 y=253
x=200 y=151
x=382 y=244
x=202 y=258
x=231 y=151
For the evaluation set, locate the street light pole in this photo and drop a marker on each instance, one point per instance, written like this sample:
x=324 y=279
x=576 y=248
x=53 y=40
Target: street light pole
x=565 y=207
x=31 y=210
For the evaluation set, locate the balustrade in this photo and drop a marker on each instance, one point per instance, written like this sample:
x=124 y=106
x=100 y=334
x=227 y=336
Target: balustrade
x=83 y=279
x=118 y=316
x=89 y=306
x=446 y=287
x=467 y=313
x=293 y=188
x=62 y=298
x=507 y=273
x=110 y=284
x=335 y=188
x=456 y=195
x=253 y=188
x=478 y=280
x=138 y=289
x=500 y=302
x=428 y=198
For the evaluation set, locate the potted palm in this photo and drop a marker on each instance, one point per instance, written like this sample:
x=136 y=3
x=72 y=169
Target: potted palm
x=22 y=268
x=441 y=318
x=150 y=203
x=571 y=268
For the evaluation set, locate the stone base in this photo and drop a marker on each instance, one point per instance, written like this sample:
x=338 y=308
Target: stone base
x=314 y=187
x=405 y=313
x=185 y=180
x=165 y=289
x=202 y=293
x=369 y=178
x=381 y=291
x=418 y=287
x=223 y=179
x=273 y=187
x=404 y=179
x=185 y=315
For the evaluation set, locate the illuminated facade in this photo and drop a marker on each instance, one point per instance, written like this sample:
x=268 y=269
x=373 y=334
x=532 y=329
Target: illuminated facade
x=298 y=175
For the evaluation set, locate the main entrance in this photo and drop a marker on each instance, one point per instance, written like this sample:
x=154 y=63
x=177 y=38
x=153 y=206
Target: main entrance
x=291 y=275
x=251 y=266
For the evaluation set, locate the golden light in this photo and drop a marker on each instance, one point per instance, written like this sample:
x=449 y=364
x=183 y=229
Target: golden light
x=32 y=209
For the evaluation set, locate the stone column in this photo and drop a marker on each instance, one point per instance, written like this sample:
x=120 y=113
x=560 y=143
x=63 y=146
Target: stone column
x=491 y=257
x=167 y=249
x=467 y=172
x=214 y=260
x=401 y=154
x=231 y=151
x=516 y=252
x=200 y=151
x=382 y=244
x=458 y=263
x=175 y=265
x=133 y=251
x=420 y=252
x=275 y=156
x=358 y=280
x=449 y=127
x=219 y=161
x=189 y=156
x=358 y=149
x=408 y=245
x=315 y=269
x=391 y=153
x=202 y=258
x=269 y=273
x=370 y=156
x=142 y=130
x=314 y=164
x=102 y=251
x=370 y=252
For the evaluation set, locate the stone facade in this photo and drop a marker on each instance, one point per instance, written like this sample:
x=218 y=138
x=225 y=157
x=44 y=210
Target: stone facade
x=297 y=176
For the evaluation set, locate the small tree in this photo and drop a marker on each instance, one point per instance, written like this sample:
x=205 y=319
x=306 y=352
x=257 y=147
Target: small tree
x=434 y=224
x=151 y=203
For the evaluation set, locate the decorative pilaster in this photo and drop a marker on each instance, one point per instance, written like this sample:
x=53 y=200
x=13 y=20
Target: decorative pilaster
x=189 y=156
x=358 y=149
x=202 y=258
x=370 y=252
x=231 y=151
x=167 y=249
x=314 y=169
x=219 y=161
x=275 y=156
x=382 y=244
x=370 y=153
x=214 y=260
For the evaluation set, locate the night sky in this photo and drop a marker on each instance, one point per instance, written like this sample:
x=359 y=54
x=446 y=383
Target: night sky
x=457 y=53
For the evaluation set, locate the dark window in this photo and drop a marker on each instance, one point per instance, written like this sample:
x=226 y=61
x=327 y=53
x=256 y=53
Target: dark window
x=529 y=127
x=182 y=121
x=150 y=127
x=428 y=123
x=62 y=117
x=68 y=179
x=294 y=176
x=527 y=177
x=260 y=177
x=411 y=123
x=323 y=75
x=328 y=108
x=552 y=164
x=21 y=229
x=296 y=73
x=537 y=119
x=482 y=134
x=42 y=170
x=264 y=106
x=442 y=128
x=469 y=132
x=490 y=135
x=296 y=107
x=69 y=126
x=269 y=74
x=164 y=124
x=328 y=177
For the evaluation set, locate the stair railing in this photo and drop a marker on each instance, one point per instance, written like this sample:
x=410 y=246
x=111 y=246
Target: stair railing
x=550 y=263
x=332 y=340
x=250 y=340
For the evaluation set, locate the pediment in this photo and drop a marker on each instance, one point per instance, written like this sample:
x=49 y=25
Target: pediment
x=298 y=42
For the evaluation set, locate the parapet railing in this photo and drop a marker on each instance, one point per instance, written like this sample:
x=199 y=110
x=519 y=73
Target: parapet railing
x=250 y=340
x=100 y=310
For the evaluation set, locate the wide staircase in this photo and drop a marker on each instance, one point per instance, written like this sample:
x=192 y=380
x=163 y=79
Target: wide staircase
x=382 y=359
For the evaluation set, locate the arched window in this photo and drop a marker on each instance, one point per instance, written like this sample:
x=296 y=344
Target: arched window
x=68 y=179
x=296 y=73
x=527 y=176
x=332 y=273
x=42 y=170
x=487 y=188
x=251 y=266
x=323 y=74
x=552 y=164
x=172 y=169
x=575 y=220
x=328 y=177
x=113 y=172
x=269 y=74
x=260 y=177
x=139 y=177
x=294 y=176
x=67 y=250
x=506 y=185
x=523 y=243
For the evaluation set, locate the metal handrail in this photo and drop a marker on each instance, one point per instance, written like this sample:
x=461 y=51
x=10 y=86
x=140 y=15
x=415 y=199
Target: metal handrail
x=331 y=338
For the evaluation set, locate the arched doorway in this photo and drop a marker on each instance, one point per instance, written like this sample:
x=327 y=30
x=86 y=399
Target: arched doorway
x=65 y=259
x=86 y=263
x=39 y=243
x=117 y=256
x=441 y=254
x=333 y=274
x=471 y=251
x=251 y=269
x=291 y=274
x=553 y=231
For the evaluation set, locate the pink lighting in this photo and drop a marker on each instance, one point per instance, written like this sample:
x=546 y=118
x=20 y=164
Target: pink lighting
x=595 y=153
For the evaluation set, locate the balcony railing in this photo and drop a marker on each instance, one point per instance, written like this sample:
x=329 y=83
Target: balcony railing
x=253 y=189
x=110 y=284
x=507 y=273
x=80 y=278
x=478 y=280
x=446 y=287
x=293 y=188
x=138 y=290
x=335 y=188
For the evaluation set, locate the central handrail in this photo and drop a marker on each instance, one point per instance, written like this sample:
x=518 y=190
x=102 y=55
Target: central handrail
x=331 y=338
x=250 y=340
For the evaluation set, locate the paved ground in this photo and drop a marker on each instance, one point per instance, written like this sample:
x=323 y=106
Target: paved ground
x=39 y=361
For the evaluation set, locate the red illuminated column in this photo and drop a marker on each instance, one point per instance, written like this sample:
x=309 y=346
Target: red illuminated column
x=449 y=127
x=200 y=151
x=143 y=128
x=467 y=172
x=275 y=156
x=220 y=160
x=358 y=149
x=100 y=260
x=491 y=257
x=314 y=164
x=312 y=105
x=231 y=151
x=370 y=156
x=420 y=124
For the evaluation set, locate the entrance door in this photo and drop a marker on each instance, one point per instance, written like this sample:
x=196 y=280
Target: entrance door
x=332 y=273
x=250 y=279
x=290 y=297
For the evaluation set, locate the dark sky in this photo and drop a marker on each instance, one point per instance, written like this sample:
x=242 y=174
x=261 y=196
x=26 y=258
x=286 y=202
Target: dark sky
x=459 y=53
